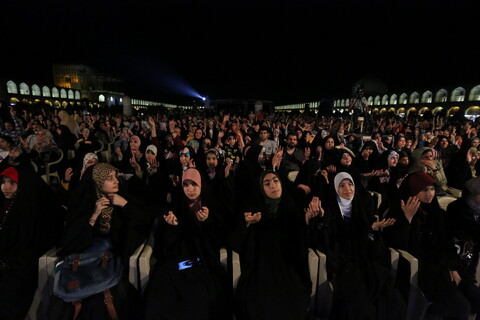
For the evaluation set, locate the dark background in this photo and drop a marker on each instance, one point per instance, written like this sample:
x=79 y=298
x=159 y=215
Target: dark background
x=283 y=51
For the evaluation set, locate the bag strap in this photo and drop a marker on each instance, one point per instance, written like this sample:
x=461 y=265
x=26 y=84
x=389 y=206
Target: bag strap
x=78 y=307
x=109 y=303
x=75 y=263
x=104 y=259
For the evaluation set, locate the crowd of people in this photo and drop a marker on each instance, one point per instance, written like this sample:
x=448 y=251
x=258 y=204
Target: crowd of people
x=268 y=186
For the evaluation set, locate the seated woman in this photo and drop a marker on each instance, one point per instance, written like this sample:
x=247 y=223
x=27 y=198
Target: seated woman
x=72 y=177
x=188 y=281
x=87 y=143
x=270 y=237
x=31 y=222
x=358 y=262
x=98 y=216
x=420 y=229
x=463 y=219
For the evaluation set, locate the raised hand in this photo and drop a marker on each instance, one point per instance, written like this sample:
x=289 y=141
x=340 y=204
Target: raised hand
x=202 y=214
x=382 y=224
x=252 y=218
x=410 y=208
x=171 y=219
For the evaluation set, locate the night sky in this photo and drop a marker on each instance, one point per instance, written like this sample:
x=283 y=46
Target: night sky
x=278 y=50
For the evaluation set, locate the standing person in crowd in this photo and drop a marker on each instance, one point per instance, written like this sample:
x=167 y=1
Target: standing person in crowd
x=358 y=262
x=463 y=219
x=31 y=223
x=188 y=281
x=86 y=143
x=101 y=218
x=359 y=108
x=293 y=157
x=269 y=145
x=270 y=237
x=421 y=230
x=67 y=120
x=11 y=127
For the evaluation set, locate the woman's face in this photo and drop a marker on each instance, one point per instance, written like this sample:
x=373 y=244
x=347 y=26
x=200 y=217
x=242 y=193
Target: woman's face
x=346 y=160
x=272 y=186
x=426 y=195
x=198 y=134
x=85 y=134
x=9 y=187
x=212 y=160
x=150 y=156
x=91 y=162
x=329 y=144
x=191 y=189
x=393 y=161
x=111 y=183
x=427 y=155
x=346 y=189
x=184 y=158
x=134 y=144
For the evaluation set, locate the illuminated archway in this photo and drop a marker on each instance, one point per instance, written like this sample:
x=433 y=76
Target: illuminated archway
x=13 y=101
x=411 y=110
x=458 y=95
x=403 y=99
x=451 y=112
x=474 y=94
x=472 y=113
x=401 y=112
x=414 y=97
x=12 y=87
x=383 y=111
x=423 y=110
x=437 y=110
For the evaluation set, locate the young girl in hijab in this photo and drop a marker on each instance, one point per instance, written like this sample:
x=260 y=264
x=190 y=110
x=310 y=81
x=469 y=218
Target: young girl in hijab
x=98 y=214
x=188 y=281
x=420 y=229
x=31 y=221
x=358 y=262
x=270 y=237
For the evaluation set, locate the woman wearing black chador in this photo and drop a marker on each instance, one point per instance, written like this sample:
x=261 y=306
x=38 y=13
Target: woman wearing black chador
x=99 y=215
x=270 y=237
x=188 y=282
x=31 y=222
x=358 y=262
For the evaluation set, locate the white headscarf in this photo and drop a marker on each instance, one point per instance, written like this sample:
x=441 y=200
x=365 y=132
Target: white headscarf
x=344 y=204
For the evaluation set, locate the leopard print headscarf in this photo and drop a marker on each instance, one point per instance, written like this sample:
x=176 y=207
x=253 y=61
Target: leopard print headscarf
x=101 y=171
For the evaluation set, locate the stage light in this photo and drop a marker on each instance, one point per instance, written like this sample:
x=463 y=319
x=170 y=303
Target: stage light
x=203 y=98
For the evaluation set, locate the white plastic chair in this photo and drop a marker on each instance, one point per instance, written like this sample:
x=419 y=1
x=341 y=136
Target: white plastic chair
x=417 y=303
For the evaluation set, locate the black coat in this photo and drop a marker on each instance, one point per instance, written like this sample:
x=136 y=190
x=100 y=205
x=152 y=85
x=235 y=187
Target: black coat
x=32 y=226
x=198 y=292
x=465 y=228
x=130 y=226
x=274 y=281
x=358 y=262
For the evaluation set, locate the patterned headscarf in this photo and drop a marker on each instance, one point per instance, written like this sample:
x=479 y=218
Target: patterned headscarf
x=101 y=171
x=89 y=156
